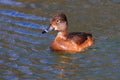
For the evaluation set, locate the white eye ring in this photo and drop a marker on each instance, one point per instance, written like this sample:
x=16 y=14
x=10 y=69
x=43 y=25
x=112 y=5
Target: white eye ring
x=58 y=21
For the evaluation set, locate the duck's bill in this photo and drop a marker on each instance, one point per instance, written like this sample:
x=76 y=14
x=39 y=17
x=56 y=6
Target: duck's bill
x=50 y=28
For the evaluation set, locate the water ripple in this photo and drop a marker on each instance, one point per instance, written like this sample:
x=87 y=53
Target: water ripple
x=25 y=69
x=22 y=23
x=21 y=15
x=10 y=77
x=116 y=1
x=12 y=3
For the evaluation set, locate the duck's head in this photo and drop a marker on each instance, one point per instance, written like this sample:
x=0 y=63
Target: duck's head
x=58 y=22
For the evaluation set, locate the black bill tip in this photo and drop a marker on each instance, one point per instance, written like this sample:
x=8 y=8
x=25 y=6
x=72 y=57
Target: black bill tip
x=43 y=32
x=50 y=28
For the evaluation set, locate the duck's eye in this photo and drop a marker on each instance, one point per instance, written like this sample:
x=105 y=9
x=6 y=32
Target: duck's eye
x=58 y=21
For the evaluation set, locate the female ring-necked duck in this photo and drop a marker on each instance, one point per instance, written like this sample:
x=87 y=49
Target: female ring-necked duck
x=64 y=41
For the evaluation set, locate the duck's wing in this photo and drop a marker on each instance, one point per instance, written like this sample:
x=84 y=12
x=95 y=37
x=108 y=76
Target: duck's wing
x=78 y=37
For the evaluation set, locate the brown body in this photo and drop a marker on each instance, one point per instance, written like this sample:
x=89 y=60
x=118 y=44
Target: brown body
x=69 y=42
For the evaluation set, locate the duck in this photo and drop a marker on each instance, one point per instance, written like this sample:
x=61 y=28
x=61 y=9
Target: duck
x=64 y=41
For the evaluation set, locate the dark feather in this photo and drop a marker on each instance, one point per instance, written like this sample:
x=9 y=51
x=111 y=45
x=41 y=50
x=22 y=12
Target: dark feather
x=78 y=37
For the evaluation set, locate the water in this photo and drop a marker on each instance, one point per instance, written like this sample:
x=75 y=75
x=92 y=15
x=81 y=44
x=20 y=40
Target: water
x=24 y=51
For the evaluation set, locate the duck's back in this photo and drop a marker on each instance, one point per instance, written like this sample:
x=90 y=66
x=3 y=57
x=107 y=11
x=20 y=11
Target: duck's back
x=78 y=37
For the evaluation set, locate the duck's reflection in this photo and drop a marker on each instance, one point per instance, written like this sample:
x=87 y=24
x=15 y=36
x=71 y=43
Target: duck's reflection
x=66 y=65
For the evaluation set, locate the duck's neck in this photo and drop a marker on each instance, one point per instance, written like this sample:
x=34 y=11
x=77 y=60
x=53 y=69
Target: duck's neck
x=62 y=34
